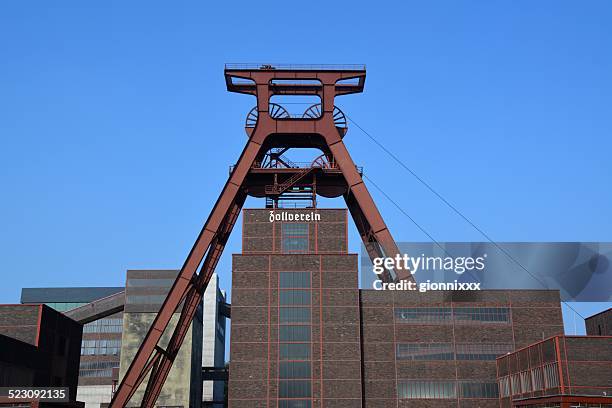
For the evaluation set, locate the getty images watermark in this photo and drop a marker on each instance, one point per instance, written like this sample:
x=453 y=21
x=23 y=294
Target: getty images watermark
x=412 y=264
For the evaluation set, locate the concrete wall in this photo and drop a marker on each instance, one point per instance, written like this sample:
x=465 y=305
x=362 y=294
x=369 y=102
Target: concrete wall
x=176 y=390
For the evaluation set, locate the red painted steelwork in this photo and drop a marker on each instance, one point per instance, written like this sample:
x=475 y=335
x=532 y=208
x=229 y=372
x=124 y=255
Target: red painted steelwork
x=267 y=132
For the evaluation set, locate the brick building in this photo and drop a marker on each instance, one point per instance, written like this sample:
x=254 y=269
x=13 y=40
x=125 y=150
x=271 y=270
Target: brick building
x=39 y=347
x=304 y=335
x=599 y=324
x=101 y=340
x=562 y=371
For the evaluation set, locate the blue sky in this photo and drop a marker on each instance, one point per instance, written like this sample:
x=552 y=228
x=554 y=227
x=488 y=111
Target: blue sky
x=116 y=131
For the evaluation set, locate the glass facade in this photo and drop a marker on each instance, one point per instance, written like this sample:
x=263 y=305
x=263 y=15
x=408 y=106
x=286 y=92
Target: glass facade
x=104 y=326
x=101 y=347
x=97 y=368
x=294 y=333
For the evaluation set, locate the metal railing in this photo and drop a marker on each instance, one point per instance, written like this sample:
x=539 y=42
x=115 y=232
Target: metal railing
x=297 y=67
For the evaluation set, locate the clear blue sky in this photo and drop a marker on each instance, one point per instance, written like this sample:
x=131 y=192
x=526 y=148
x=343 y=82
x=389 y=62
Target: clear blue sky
x=116 y=131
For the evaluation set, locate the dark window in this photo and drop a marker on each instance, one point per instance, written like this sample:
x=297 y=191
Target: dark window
x=103 y=347
x=423 y=314
x=482 y=351
x=294 y=297
x=478 y=390
x=295 y=237
x=294 y=369
x=294 y=404
x=295 y=351
x=150 y=283
x=482 y=314
x=295 y=279
x=408 y=389
x=294 y=333
x=145 y=299
x=465 y=315
x=97 y=368
x=425 y=351
x=294 y=315
x=294 y=388
x=104 y=326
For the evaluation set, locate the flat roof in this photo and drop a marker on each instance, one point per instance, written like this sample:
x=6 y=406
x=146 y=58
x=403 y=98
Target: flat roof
x=67 y=295
x=266 y=66
x=597 y=314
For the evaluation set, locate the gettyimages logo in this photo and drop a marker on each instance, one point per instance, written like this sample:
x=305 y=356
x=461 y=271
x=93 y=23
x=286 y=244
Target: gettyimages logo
x=459 y=264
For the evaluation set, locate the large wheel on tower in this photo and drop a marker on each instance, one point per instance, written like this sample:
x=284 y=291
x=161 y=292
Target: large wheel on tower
x=314 y=112
x=276 y=112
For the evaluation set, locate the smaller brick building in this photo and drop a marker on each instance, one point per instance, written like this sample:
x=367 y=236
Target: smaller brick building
x=561 y=371
x=39 y=347
x=599 y=324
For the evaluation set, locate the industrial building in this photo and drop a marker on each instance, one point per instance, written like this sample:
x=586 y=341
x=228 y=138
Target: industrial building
x=599 y=324
x=101 y=342
x=204 y=343
x=102 y=310
x=39 y=347
x=561 y=371
x=304 y=335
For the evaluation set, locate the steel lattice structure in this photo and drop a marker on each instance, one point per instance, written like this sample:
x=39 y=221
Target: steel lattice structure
x=270 y=129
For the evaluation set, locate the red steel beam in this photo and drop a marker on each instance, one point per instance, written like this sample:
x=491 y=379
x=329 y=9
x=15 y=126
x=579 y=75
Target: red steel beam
x=190 y=285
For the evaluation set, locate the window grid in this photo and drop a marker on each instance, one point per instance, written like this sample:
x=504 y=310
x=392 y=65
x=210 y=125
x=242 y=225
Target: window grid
x=294 y=336
x=470 y=389
x=446 y=351
x=101 y=347
x=104 y=326
x=459 y=315
x=295 y=237
x=409 y=389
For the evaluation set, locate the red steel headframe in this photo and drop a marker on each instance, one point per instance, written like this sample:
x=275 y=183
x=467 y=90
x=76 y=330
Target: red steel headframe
x=263 y=82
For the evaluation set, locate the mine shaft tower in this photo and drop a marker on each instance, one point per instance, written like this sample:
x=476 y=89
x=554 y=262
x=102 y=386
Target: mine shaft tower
x=263 y=171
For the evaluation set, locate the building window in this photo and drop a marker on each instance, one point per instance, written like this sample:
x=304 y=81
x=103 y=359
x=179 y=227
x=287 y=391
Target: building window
x=295 y=237
x=294 y=388
x=538 y=379
x=515 y=383
x=425 y=351
x=97 y=368
x=482 y=351
x=294 y=297
x=294 y=314
x=551 y=376
x=294 y=333
x=478 y=390
x=504 y=387
x=291 y=280
x=464 y=315
x=423 y=314
x=104 y=326
x=525 y=382
x=294 y=404
x=408 y=389
x=100 y=347
x=294 y=370
x=145 y=299
x=482 y=314
x=294 y=351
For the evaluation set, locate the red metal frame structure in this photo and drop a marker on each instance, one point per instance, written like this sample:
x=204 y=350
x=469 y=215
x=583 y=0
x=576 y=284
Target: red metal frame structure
x=267 y=129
